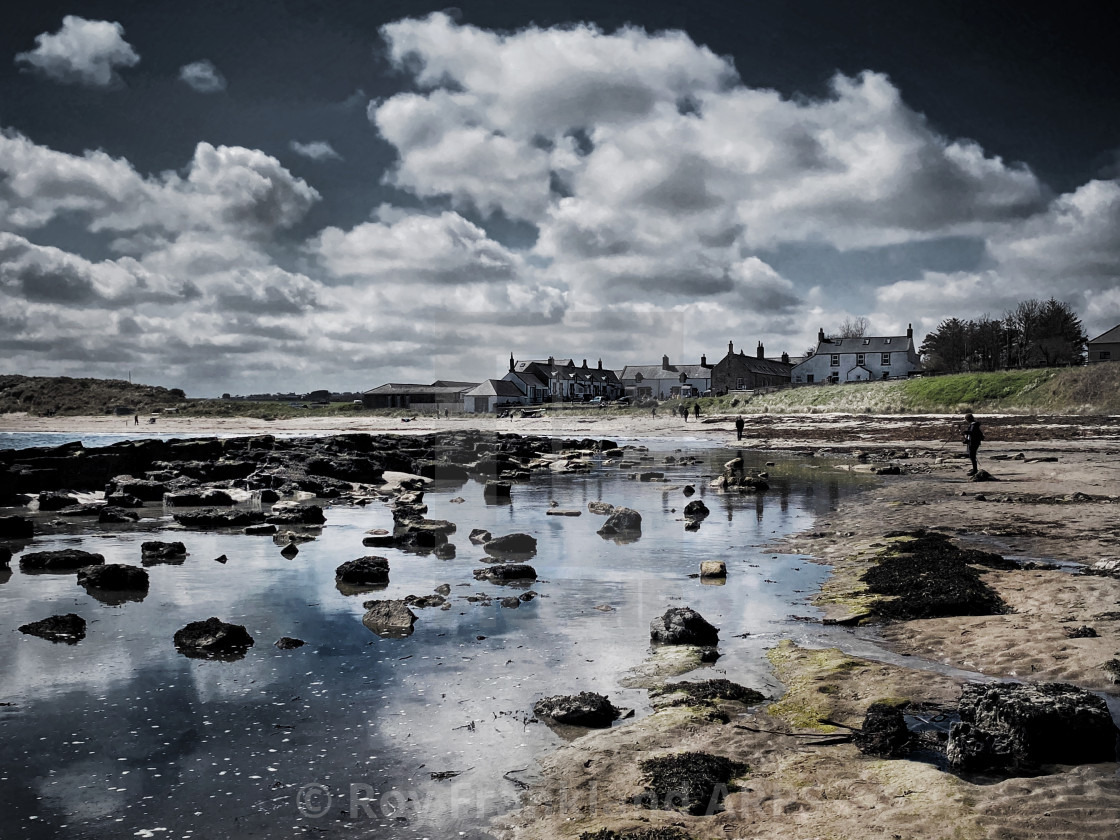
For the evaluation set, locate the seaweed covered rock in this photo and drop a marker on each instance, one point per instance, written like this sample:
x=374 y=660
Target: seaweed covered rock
x=69 y=628
x=114 y=576
x=503 y=572
x=584 y=709
x=883 y=733
x=113 y=515
x=704 y=692
x=696 y=510
x=522 y=545
x=296 y=514
x=1017 y=727
x=153 y=552
x=683 y=626
x=51 y=501
x=663 y=833
x=364 y=571
x=621 y=521
x=63 y=560
x=213 y=639
x=692 y=782
x=209 y=518
x=927 y=577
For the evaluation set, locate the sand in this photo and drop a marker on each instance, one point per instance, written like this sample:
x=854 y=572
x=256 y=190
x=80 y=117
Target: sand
x=1056 y=498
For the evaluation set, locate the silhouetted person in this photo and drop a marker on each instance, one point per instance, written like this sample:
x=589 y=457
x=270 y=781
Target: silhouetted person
x=739 y=427
x=973 y=437
x=695 y=410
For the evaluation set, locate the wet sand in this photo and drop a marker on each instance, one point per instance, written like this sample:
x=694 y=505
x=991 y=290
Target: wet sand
x=1055 y=499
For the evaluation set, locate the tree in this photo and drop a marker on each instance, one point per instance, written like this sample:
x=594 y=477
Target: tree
x=1045 y=334
x=853 y=328
x=948 y=347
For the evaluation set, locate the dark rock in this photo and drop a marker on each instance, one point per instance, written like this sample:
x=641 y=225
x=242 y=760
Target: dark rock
x=651 y=476
x=889 y=469
x=696 y=509
x=114 y=576
x=445 y=551
x=667 y=832
x=389 y=619
x=690 y=782
x=288 y=643
x=158 y=551
x=51 y=501
x=124 y=500
x=708 y=691
x=422 y=601
x=689 y=490
x=497 y=489
x=478 y=536
x=983 y=475
x=111 y=515
x=601 y=508
x=1018 y=727
x=221 y=558
x=511 y=602
x=506 y=572
x=213 y=639
x=622 y=522
x=1082 y=632
x=364 y=571
x=206 y=498
x=297 y=515
x=884 y=732
x=683 y=626
x=290 y=550
x=208 y=518
x=64 y=560
x=268 y=496
x=1112 y=670
x=16 y=528
x=69 y=628
x=381 y=540
x=5 y=556
x=584 y=709
x=522 y=545
x=260 y=530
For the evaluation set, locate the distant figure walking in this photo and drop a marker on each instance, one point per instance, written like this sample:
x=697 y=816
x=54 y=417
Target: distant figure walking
x=695 y=410
x=684 y=412
x=739 y=427
x=135 y=419
x=973 y=437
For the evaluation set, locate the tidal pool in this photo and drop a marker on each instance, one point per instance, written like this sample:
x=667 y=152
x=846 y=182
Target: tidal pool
x=354 y=735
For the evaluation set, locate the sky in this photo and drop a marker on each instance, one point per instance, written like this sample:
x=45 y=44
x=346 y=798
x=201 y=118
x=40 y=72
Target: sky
x=269 y=196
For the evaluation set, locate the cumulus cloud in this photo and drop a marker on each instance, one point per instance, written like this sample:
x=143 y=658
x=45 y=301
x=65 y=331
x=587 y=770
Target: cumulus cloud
x=85 y=52
x=202 y=76
x=317 y=150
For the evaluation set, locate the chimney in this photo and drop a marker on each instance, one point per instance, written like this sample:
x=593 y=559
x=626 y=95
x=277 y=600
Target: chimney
x=552 y=361
x=785 y=358
x=664 y=362
x=704 y=361
x=761 y=353
x=511 y=362
x=585 y=364
x=730 y=348
x=600 y=364
x=820 y=335
x=909 y=330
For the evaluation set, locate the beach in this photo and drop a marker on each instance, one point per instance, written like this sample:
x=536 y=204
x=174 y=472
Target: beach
x=1052 y=499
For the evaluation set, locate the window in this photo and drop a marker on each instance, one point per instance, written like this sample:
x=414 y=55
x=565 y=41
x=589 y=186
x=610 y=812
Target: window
x=739 y=384
x=886 y=341
x=1105 y=355
x=835 y=360
x=867 y=341
x=886 y=360
x=809 y=378
x=861 y=359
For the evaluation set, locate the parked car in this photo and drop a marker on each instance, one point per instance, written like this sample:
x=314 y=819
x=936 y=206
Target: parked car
x=623 y=401
x=595 y=401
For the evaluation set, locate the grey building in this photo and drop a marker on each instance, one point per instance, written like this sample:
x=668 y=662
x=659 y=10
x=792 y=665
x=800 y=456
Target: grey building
x=860 y=359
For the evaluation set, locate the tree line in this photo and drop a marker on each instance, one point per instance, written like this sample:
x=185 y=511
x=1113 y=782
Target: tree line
x=1034 y=334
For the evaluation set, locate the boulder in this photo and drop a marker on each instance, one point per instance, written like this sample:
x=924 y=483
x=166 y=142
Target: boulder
x=260 y=530
x=16 y=528
x=112 y=515
x=696 y=509
x=213 y=639
x=503 y=572
x=158 y=551
x=204 y=498
x=519 y=544
x=124 y=500
x=1016 y=727
x=288 y=643
x=51 y=501
x=64 y=560
x=713 y=569
x=114 y=576
x=497 y=489
x=5 y=556
x=290 y=550
x=883 y=733
x=208 y=518
x=365 y=571
x=622 y=520
x=296 y=514
x=445 y=551
x=692 y=782
x=601 y=508
x=584 y=709
x=389 y=619
x=478 y=536
x=683 y=626
x=69 y=628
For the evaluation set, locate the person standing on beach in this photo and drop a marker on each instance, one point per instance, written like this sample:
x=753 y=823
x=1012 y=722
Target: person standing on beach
x=739 y=427
x=695 y=411
x=684 y=412
x=973 y=437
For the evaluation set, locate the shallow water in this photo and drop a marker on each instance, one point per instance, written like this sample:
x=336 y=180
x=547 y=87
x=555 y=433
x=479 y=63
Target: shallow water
x=120 y=735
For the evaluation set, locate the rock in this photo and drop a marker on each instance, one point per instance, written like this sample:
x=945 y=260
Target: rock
x=519 y=544
x=204 y=498
x=890 y=469
x=221 y=558
x=290 y=550
x=478 y=536
x=1082 y=632
x=444 y=552
x=364 y=571
x=689 y=489
x=691 y=782
x=423 y=601
x=288 y=643
x=601 y=508
x=1017 y=727
x=389 y=619
x=622 y=522
x=64 y=560
x=584 y=709
x=713 y=569
x=683 y=626
x=983 y=475
x=703 y=693
x=696 y=510
x=884 y=732
x=209 y=518
x=497 y=489
x=1112 y=670
x=292 y=513
x=5 y=556
x=114 y=576
x=1109 y=567
x=157 y=551
x=51 y=501
x=562 y=512
x=16 y=528
x=285 y=537
x=213 y=639
x=260 y=530
x=111 y=515
x=69 y=628
x=506 y=572
x=380 y=540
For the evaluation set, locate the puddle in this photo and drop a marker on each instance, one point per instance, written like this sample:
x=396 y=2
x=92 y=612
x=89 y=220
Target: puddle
x=358 y=735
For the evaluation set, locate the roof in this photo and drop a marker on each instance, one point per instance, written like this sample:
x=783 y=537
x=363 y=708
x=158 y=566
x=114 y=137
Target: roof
x=864 y=344
x=766 y=367
x=495 y=388
x=1110 y=337
x=661 y=372
x=563 y=369
x=404 y=389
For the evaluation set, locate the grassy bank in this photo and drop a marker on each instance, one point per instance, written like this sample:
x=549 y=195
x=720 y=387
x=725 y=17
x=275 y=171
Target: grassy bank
x=1094 y=389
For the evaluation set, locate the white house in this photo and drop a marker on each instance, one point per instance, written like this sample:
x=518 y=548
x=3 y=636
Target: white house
x=555 y=380
x=665 y=381
x=492 y=394
x=860 y=359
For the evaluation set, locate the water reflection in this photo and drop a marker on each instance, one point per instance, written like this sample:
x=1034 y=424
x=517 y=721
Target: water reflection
x=121 y=734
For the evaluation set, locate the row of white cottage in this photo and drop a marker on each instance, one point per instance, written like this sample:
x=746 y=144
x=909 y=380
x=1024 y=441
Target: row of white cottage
x=532 y=382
